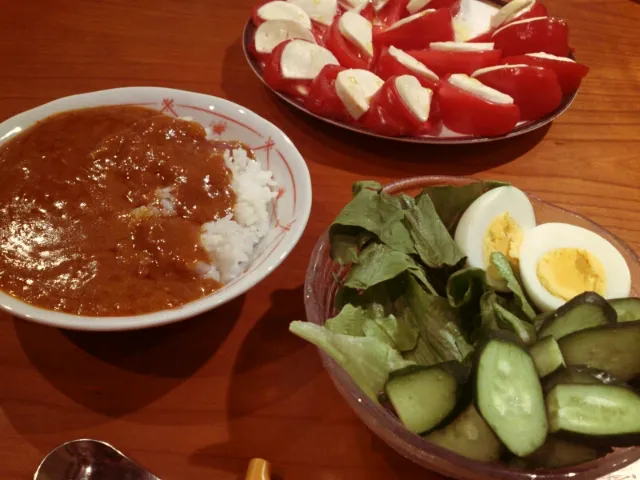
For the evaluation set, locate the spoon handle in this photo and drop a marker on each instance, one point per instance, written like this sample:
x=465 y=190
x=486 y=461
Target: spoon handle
x=259 y=469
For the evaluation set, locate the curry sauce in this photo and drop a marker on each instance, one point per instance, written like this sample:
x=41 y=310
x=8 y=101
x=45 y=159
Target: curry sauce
x=101 y=209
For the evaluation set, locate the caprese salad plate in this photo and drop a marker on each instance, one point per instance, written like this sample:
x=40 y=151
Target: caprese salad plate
x=420 y=71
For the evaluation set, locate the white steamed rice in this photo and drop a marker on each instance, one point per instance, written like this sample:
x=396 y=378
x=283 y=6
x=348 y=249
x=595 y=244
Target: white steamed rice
x=230 y=242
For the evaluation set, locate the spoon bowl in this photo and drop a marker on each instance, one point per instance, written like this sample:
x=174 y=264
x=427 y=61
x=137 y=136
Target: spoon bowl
x=87 y=459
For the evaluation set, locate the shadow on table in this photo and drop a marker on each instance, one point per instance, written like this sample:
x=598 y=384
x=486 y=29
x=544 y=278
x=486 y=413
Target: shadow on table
x=116 y=373
x=371 y=156
x=271 y=369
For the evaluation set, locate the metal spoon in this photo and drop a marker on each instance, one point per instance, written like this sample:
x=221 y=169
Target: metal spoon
x=95 y=460
x=89 y=460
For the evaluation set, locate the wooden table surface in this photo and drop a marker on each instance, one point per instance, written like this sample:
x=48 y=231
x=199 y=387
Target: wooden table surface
x=198 y=399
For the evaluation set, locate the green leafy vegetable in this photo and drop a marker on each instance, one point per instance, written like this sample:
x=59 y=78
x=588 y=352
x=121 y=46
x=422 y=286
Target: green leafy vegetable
x=495 y=316
x=464 y=290
x=369 y=211
x=440 y=338
x=365 y=184
x=359 y=322
x=501 y=263
x=450 y=202
x=432 y=241
x=366 y=359
x=378 y=263
x=508 y=321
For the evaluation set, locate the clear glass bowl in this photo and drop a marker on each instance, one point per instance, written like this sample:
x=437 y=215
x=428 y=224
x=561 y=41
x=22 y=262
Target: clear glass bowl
x=320 y=288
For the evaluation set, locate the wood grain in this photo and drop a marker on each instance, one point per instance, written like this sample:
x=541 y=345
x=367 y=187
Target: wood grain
x=198 y=399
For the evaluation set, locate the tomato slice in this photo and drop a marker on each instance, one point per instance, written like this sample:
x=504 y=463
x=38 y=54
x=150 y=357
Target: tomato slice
x=393 y=62
x=541 y=34
x=388 y=13
x=368 y=12
x=444 y=63
x=348 y=54
x=323 y=99
x=569 y=73
x=537 y=10
x=468 y=114
x=295 y=87
x=452 y=5
x=535 y=90
x=389 y=114
x=418 y=31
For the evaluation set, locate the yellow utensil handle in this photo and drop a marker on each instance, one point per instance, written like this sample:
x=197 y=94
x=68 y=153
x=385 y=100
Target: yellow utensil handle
x=259 y=469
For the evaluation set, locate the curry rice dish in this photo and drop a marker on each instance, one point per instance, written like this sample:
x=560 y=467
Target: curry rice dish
x=122 y=210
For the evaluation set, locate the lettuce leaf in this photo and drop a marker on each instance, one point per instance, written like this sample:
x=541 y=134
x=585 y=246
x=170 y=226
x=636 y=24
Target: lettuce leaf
x=378 y=263
x=450 y=201
x=367 y=360
x=379 y=214
x=501 y=263
x=495 y=316
x=431 y=240
x=371 y=322
x=440 y=338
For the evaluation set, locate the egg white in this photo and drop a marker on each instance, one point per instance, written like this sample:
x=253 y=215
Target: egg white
x=475 y=221
x=552 y=236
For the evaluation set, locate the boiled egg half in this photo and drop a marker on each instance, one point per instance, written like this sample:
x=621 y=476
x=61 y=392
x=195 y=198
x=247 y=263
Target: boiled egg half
x=559 y=261
x=497 y=221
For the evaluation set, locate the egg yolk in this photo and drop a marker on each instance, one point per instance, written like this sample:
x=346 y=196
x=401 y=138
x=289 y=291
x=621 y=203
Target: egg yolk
x=505 y=236
x=567 y=272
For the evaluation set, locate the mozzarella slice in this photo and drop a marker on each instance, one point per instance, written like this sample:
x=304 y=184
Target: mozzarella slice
x=322 y=11
x=412 y=64
x=518 y=22
x=416 y=5
x=411 y=18
x=303 y=60
x=461 y=46
x=272 y=33
x=379 y=4
x=414 y=96
x=280 y=10
x=511 y=11
x=548 y=56
x=355 y=88
x=496 y=67
x=475 y=87
x=354 y=5
x=358 y=30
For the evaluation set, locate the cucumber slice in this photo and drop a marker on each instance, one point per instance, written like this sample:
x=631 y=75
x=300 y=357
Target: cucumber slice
x=613 y=348
x=509 y=395
x=595 y=411
x=470 y=436
x=547 y=356
x=422 y=396
x=580 y=375
x=584 y=311
x=558 y=453
x=628 y=309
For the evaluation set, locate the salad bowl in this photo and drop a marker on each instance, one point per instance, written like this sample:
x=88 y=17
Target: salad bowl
x=320 y=288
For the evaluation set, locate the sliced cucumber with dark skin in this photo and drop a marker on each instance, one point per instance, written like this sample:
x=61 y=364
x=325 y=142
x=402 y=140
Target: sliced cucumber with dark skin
x=558 y=453
x=613 y=348
x=580 y=375
x=509 y=394
x=547 y=356
x=423 y=397
x=470 y=436
x=584 y=311
x=628 y=309
x=606 y=412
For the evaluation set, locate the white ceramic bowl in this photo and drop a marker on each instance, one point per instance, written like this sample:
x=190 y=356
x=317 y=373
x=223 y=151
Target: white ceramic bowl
x=227 y=121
